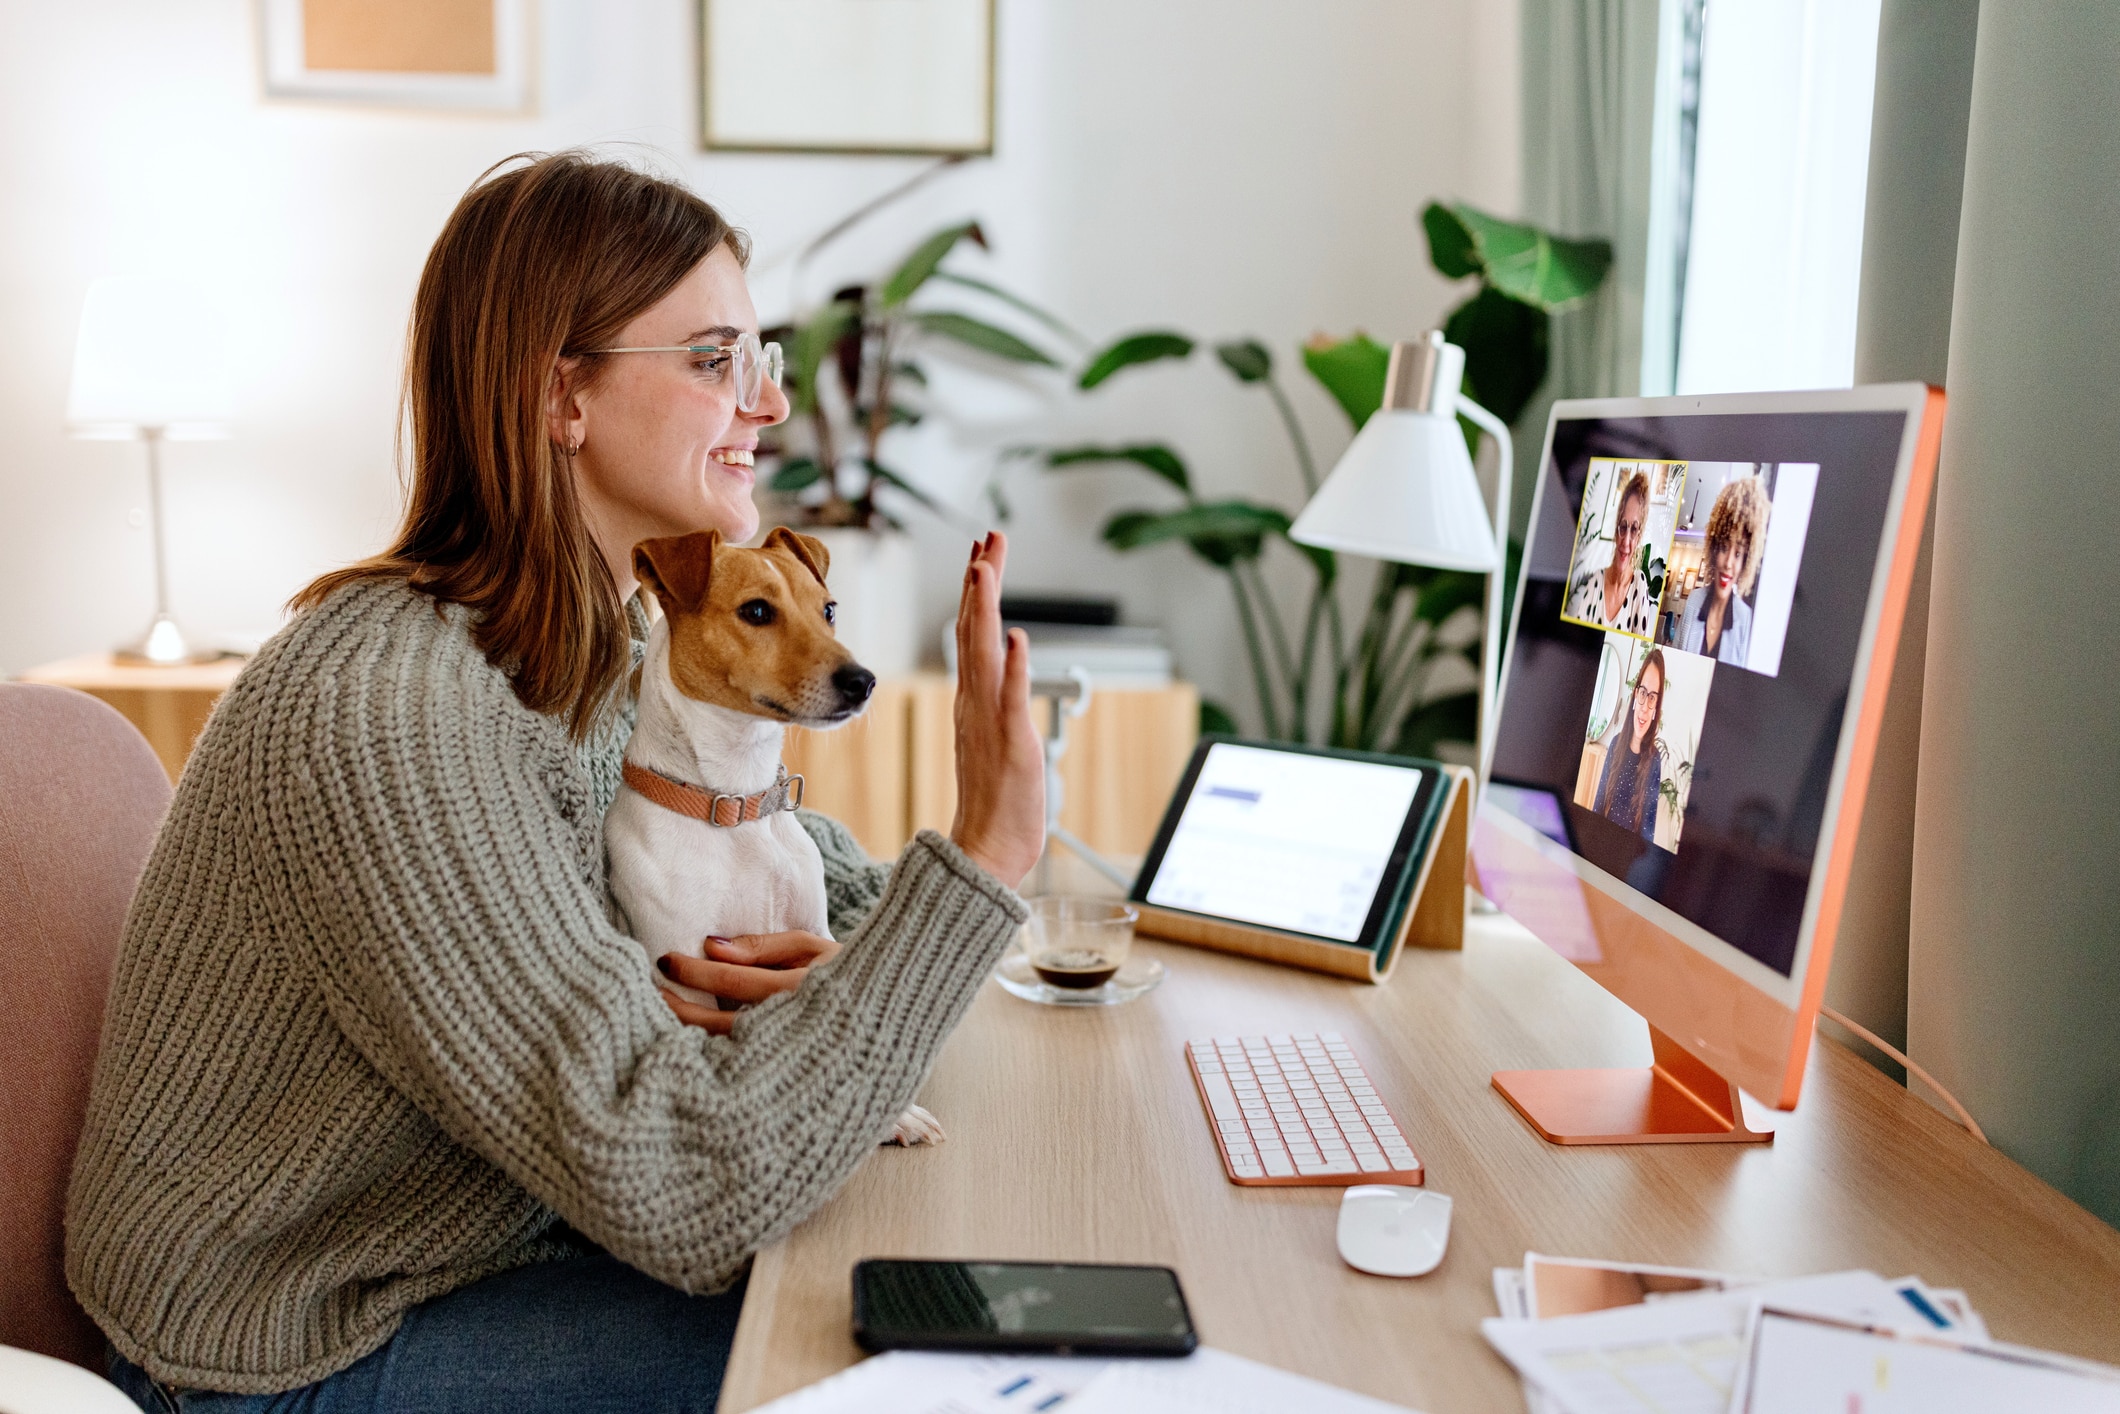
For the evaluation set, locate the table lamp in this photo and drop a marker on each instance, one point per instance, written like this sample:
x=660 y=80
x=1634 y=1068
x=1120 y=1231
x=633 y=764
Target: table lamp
x=149 y=364
x=1405 y=491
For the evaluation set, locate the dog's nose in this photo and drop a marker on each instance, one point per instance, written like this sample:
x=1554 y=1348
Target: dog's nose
x=855 y=683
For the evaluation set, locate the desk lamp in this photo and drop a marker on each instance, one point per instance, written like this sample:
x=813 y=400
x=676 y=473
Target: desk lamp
x=1405 y=491
x=148 y=365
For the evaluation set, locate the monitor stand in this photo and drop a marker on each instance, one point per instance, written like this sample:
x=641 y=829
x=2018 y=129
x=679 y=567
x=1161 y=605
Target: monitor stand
x=1678 y=1100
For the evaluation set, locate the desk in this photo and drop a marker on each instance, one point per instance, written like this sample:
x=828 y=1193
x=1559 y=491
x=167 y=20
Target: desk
x=1076 y=1136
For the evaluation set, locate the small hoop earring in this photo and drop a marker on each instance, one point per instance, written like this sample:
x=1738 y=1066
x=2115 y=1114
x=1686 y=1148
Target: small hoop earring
x=571 y=449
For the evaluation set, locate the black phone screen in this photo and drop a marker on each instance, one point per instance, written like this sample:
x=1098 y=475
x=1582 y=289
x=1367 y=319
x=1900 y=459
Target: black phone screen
x=1052 y=1307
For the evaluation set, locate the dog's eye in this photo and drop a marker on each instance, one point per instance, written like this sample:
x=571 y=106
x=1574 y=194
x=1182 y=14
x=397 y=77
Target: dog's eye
x=756 y=611
x=831 y=612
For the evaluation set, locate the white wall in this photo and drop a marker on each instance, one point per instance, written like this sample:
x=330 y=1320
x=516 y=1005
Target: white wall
x=1231 y=168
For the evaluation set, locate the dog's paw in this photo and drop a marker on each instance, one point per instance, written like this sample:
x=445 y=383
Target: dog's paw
x=916 y=1126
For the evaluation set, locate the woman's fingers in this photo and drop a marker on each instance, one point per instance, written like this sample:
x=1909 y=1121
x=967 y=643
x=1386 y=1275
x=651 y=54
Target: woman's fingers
x=706 y=1018
x=728 y=980
x=789 y=949
x=1000 y=760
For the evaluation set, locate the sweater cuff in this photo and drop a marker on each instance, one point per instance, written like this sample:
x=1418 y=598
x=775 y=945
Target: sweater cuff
x=945 y=850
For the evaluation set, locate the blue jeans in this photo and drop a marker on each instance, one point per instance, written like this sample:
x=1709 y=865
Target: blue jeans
x=580 y=1334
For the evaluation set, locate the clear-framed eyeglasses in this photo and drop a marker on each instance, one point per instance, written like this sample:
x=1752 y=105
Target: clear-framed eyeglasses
x=753 y=363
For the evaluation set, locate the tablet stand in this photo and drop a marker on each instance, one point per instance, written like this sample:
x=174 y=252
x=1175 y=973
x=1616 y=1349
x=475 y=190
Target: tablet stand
x=1435 y=910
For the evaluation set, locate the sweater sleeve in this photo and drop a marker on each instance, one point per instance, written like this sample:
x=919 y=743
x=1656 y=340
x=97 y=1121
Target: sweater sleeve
x=852 y=881
x=431 y=851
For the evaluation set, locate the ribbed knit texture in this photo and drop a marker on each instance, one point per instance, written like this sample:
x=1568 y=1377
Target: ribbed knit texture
x=372 y=1033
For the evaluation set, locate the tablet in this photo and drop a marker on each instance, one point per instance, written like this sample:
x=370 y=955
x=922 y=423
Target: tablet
x=1316 y=844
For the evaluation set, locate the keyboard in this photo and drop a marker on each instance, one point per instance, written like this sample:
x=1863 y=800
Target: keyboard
x=1298 y=1109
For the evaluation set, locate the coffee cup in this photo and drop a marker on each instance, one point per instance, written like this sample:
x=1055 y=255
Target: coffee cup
x=1076 y=943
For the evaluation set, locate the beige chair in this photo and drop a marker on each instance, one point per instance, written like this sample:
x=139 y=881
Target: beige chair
x=81 y=795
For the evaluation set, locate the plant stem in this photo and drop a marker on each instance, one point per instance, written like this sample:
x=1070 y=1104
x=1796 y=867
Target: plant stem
x=1304 y=464
x=1277 y=636
x=1374 y=629
x=1260 y=677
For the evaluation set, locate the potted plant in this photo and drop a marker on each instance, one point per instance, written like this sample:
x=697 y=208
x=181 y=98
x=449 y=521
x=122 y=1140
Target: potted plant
x=1405 y=677
x=857 y=375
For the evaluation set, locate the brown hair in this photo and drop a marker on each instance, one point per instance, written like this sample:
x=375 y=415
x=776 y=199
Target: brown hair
x=1637 y=485
x=1740 y=509
x=545 y=254
x=1640 y=764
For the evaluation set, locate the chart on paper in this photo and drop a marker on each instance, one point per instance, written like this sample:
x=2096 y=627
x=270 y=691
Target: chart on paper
x=1657 y=1377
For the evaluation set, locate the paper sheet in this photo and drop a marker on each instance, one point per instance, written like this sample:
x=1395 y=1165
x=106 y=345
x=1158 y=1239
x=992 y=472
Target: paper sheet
x=1216 y=1382
x=1799 y=1363
x=1678 y=1355
x=915 y=1382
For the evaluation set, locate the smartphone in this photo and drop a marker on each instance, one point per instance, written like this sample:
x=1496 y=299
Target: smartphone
x=1045 y=1308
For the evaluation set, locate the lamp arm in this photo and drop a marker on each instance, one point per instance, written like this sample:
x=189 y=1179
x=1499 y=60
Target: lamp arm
x=1491 y=629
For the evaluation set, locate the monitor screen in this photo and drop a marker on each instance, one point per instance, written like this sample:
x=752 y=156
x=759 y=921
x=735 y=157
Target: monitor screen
x=1688 y=629
x=1285 y=840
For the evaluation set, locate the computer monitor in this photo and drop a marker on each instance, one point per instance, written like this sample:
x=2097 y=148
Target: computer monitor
x=1684 y=738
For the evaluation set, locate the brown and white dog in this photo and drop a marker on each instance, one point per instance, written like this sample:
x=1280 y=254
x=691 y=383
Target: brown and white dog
x=702 y=840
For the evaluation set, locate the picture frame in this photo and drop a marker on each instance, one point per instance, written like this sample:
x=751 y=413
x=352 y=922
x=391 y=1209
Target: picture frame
x=877 y=77
x=457 y=55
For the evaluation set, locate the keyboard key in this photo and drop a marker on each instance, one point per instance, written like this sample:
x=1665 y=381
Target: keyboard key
x=1220 y=1098
x=1279 y=1166
x=1372 y=1163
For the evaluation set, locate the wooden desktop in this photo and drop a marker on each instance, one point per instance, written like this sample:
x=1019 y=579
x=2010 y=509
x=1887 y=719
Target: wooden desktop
x=1077 y=1135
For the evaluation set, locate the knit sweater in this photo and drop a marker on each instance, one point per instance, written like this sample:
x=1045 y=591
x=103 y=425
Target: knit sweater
x=373 y=1034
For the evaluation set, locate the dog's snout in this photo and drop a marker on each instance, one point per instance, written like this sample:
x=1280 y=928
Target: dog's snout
x=854 y=683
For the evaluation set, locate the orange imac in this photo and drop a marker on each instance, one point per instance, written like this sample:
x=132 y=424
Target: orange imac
x=1691 y=692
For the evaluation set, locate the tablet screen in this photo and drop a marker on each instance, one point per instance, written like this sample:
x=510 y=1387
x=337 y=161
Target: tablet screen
x=1285 y=840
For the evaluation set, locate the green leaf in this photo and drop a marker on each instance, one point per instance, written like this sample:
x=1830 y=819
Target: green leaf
x=1247 y=358
x=909 y=372
x=1215 y=719
x=1450 y=246
x=814 y=342
x=1505 y=343
x=796 y=473
x=980 y=335
x=1352 y=370
x=1136 y=348
x=1545 y=272
x=1219 y=532
x=1447 y=592
x=1154 y=457
x=1014 y=301
x=922 y=262
x=1452 y=718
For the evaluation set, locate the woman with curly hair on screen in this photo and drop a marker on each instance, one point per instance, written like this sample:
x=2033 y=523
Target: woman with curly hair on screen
x=1634 y=773
x=1717 y=622
x=1617 y=597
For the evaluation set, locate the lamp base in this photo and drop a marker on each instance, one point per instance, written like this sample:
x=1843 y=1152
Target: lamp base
x=164 y=646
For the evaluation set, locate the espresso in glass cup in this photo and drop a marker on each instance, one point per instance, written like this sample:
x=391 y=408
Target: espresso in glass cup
x=1078 y=943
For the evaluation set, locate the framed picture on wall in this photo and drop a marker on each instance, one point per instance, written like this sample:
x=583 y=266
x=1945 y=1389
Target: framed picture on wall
x=463 y=54
x=880 y=76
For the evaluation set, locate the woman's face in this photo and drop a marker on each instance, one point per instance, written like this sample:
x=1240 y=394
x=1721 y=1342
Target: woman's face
x=1647 y=693
x=1627 y=530
x=664 y=450
x=1726 y=560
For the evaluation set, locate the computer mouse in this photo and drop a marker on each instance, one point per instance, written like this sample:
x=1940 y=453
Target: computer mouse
x=1394 y=1232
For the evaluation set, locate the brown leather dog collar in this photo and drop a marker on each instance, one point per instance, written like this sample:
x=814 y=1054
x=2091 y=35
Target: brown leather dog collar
x=718 y=808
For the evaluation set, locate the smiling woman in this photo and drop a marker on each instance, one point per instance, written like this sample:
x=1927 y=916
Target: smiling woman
x=389 y=1112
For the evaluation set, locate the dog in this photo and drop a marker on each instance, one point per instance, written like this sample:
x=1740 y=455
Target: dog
x=702 y=840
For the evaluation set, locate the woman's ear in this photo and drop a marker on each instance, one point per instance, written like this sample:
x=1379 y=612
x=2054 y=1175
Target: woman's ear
x=566 y=423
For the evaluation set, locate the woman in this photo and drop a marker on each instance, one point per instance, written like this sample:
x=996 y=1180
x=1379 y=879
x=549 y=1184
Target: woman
x=1716 y=621
x=388 y=1114
x=1617 y=597
x=1634 y=773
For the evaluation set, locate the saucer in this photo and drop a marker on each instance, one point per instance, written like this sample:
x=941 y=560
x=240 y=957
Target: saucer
x=1138 y=977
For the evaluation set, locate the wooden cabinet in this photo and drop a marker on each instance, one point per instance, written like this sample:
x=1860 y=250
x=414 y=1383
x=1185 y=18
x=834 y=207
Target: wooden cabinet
x=893 y=770
x=890 y=772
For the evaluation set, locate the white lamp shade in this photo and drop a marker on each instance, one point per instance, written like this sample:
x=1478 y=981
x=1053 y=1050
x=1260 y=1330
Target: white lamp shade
x=1405 y=491
x=151 y=353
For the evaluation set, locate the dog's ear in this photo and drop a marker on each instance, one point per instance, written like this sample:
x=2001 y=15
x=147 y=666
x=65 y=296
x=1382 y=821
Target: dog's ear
x=676 y=569
x=806 y=548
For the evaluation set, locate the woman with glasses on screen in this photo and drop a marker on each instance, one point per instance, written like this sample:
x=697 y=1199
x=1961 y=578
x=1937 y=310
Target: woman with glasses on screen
x=1717 y=622
x=1617 y=596
x=1633 y=777
x=389 y=1113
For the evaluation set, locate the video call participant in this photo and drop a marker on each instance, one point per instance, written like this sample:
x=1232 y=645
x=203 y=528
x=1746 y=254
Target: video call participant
x=1617 y=597
x=1634 y=773
x=1717 y=621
